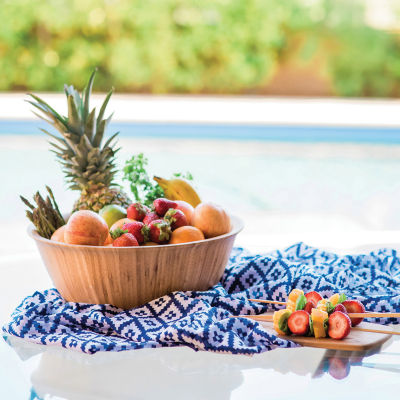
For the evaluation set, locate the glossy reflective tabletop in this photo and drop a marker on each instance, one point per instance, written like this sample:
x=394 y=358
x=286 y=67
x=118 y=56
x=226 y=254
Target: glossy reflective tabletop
x=36 y=372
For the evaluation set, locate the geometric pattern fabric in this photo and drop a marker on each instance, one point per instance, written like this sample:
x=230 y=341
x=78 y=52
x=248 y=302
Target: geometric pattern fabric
x=201 y=320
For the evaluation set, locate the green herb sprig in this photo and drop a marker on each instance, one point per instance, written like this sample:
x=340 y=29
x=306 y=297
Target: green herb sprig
x=144 y=190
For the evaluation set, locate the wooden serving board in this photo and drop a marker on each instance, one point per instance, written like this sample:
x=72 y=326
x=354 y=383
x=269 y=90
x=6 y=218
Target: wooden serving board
x=356 y=341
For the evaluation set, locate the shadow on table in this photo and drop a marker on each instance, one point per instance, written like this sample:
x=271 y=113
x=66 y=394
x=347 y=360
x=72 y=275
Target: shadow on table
x=170 y=373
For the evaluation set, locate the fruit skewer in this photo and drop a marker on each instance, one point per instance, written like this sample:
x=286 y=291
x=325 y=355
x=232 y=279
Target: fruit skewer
x=269 y=318
x=310 y=314
x=297 y=300
x=351 y=315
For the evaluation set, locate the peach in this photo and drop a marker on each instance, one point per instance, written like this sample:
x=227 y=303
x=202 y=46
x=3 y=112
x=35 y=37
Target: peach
x=86 y=227
x=187 y=209
x=211 y=219
x=186 y=234
x=58 y=235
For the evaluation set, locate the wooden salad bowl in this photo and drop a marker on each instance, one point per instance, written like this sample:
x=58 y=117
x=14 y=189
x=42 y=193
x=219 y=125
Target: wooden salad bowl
x=128 y=277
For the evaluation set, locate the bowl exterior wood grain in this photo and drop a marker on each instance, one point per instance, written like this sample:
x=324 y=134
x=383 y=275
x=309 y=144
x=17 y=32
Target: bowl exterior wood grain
x=131 y=276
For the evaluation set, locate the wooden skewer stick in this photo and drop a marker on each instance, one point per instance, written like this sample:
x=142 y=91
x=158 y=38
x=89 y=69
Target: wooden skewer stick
x=266 y=318
x=374 y=315
x=269 y=301
x=357 y=328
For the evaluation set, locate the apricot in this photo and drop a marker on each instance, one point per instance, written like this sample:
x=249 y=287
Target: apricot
x=120 y=223
x=150 y=244
x=109 y=240
x=186 y=234
x=58 y=235
x=86 y=227
x=187 y=209
x=211 y=219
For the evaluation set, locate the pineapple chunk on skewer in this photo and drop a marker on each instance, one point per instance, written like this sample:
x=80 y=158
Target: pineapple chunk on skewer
x=318 y=318
x=292 y=299
x=334 y=299
x=322 y=305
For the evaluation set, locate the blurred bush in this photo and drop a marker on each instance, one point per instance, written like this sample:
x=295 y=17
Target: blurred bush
x=193 y=46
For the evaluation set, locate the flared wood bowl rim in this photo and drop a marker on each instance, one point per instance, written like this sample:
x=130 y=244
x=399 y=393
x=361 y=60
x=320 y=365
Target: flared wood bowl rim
x=237 y=226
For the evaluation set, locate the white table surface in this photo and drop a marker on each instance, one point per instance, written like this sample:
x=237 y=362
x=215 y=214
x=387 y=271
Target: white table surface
x=27 y=370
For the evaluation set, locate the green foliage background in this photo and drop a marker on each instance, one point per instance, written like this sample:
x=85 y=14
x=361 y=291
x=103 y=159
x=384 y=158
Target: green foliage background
x=192 y=46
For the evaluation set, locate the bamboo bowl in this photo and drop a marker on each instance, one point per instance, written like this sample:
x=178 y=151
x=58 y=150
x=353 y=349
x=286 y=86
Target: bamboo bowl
x=128 y=277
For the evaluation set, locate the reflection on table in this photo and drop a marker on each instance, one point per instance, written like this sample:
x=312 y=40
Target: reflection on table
x=181 y=373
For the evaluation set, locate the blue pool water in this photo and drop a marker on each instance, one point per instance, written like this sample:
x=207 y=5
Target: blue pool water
x=290 y=177
x=282 y=133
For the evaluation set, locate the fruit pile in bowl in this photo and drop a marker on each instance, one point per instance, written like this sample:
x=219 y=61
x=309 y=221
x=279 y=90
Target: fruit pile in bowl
x=166 y=222
x=111 y=249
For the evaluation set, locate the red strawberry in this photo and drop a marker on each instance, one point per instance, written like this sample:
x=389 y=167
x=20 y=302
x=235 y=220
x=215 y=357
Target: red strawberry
x=299 y=322
x=341 y=308
x=161 y=206
x=160 y=231
x=354 y=306
x=339 y=325
x=125 y=240
x=309 y=306
x=151 y=216
x=137 y=211
x=137 y=229
x=315 y=297
x=176 y=218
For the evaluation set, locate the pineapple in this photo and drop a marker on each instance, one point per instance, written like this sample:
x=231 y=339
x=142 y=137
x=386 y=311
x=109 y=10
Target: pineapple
x=319 y=319
x=89 y=165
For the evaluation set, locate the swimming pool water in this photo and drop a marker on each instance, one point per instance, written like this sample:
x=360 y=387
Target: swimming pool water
x=281 y=133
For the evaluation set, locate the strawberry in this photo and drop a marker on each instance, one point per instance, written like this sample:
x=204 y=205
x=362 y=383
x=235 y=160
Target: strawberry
x=299 y=322
x=161 y=206
x=151 y=216
x=137 y=211
x=341 y=308
x=160 y=231
x=339 y=325
x=354 y=306
x=315 y=297
x=137 y=229
x=176 y=218
x=125 y=240
x=309 y=306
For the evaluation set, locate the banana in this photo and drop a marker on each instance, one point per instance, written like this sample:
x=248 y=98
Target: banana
x=178 y=189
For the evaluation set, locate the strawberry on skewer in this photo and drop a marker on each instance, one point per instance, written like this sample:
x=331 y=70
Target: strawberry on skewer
x=339 y=325
x=354 y=306
x=313 y=296
x=299 y=322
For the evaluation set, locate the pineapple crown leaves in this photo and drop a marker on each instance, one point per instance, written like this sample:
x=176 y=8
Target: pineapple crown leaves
x=78 y=148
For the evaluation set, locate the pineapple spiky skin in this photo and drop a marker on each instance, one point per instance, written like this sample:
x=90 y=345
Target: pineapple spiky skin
x=96 y=198
x=88 y=163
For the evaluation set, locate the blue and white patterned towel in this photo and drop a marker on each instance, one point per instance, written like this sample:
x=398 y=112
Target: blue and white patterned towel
x=201 y=320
